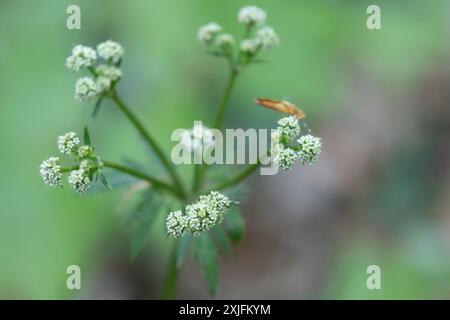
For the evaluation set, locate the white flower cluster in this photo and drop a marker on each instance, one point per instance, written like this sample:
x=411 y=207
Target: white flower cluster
x=104 y=75
x=80 y=179
x=110 y=51
x=286 y=154
x=198 y=138
x=207 y=33
x=201 y=216
x=86 y=89
x=80 y=175
x=81 y=57
x=288 y=127
x=310 y=148
x=67 y=143
x=50 y=171
x=252 y=17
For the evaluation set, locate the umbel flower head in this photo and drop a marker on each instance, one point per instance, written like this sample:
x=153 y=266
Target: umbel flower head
x=310 y=148
x=286 y=158
x=81 y=57
x=285 y=152
x=250 y=46
x=86 y=89
x=208 y=32
x=251 y=15
x=84 y=151
x=201 y=216
x=84 y=164
x=50 y=171
x=110 y=51
x=176 y=224
x=267 y=37
x=104 y=75
x=225 y=41
x=79 y=180
x=68 y=143
x=288 y=127
x=257 y=37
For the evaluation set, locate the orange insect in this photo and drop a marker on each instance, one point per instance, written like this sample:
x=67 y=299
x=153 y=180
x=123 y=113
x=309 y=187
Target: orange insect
x=282 y=106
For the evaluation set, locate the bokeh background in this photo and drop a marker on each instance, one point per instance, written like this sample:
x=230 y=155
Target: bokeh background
x=380 y=193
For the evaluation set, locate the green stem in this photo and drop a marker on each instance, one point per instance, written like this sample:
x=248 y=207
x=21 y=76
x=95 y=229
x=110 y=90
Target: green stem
x=225 y=98
x=238 y=178
x=198 y=175
x=122 y=106
x=135 y=173
x=171 y=278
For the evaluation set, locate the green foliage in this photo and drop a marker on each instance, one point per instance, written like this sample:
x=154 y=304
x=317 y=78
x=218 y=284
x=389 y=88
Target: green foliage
x=183 y=250
x=235 y=225
x=206 y=255
x=222 y=240
x=86 y=136
x=141 y=219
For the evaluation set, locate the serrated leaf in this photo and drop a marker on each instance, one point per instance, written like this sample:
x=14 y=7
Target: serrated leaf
x=97 y=106
x=206 y=254
x=222 y=240
x=86 y=137
x=104 y=180
x=183 y=250
x=235 y=224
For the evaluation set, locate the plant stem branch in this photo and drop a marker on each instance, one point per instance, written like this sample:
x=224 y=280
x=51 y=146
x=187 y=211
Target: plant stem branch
x=135 y=121
x=238 y=178
x=135 y=173
x=226 y=97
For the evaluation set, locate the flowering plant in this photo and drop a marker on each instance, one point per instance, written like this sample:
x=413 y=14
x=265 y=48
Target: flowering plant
x=203 y=218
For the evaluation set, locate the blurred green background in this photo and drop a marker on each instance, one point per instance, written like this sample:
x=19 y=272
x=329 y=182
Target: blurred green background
x=379 y=195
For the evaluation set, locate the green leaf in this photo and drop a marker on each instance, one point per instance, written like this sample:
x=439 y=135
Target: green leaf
x=104 y=180
x=183 y=250
x=206 y=254
x=147 y=214
x=169 y=288
x=97 y=107
x=235 y=225
x=222 y=240
x=86 y=138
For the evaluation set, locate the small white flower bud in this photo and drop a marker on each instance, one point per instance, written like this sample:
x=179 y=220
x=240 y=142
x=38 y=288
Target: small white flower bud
x=86 y=89
x=110 y=72
x=103 y=84
x=225 y=41
x=81 y=57
x=267 y=37
x=250 y=15
x=85 y=165
x=207 y=33
x=84 y=151
x=288 y=127
x=250 y=46
x=50 y=171
x=110 y=50
x=79 y=180
x=68 y=143
x=176 y=224
x=310 y=148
